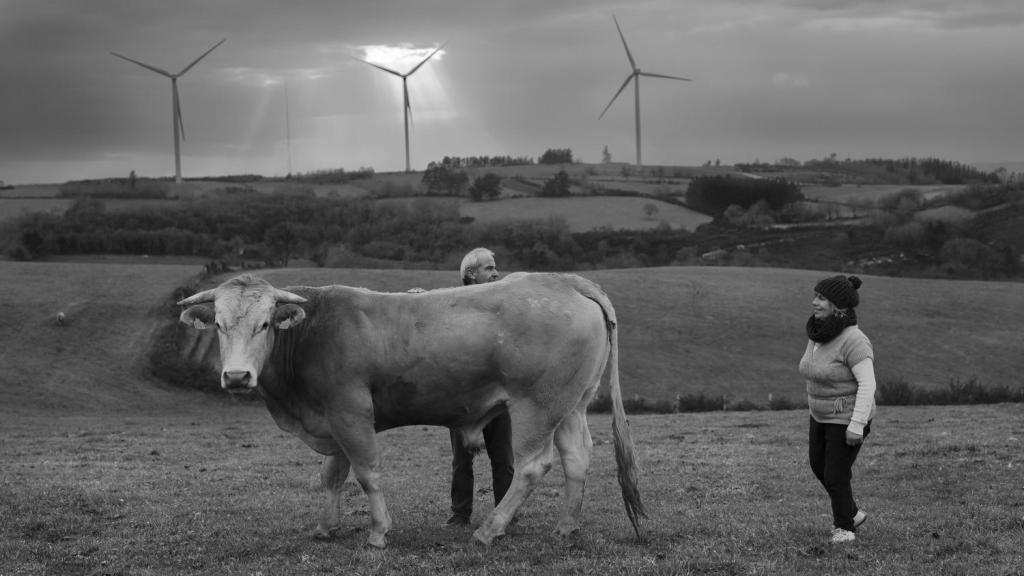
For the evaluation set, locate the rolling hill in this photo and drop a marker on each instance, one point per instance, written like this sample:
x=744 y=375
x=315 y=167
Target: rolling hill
x=683 y=330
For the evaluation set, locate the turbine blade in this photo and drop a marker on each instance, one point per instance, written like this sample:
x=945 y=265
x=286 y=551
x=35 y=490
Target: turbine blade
x=621 y=88
x=424 y=61
x=378 y=66
x=653 y=75
x=177 y=111
x=144 y=65
x=629 y=54
x=196 y=61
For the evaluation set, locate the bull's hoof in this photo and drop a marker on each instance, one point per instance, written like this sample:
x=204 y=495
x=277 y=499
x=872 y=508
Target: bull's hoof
x=378 y=541
x=324 y=533
x=484 y=537
x=566 y=529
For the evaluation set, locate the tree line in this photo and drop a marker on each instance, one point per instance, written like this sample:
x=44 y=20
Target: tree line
x=237 y=225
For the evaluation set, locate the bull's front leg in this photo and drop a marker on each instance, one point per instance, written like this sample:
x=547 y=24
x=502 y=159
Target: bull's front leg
x=333 y=473
x=380 y=519
x=353 y=429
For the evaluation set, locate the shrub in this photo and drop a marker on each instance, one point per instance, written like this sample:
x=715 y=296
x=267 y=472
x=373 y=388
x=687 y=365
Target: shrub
x=558 y=185
x=783 y=403
x=744 y=405
x=167 y=362
x=699 y=403
x=601 y=404
x=486 y=187
x=894 y=393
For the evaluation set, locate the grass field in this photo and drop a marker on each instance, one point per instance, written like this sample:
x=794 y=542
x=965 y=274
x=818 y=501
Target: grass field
x=586 y=213
x=210 y=487
x=873 y=193
x=105 y=471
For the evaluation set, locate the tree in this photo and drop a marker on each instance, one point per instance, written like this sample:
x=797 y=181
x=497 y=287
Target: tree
x=556 y=186
x=486 y=187
x=445 y=178
x=606 y=156
x=285 y=238
x=650 y=209
x=556 y=156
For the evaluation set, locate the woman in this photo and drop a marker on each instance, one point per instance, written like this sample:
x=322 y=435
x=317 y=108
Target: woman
x=838 y=367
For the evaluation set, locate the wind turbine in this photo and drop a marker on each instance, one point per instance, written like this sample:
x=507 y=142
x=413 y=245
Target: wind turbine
x=635 y=77
x=405 y=93
x=179 y=126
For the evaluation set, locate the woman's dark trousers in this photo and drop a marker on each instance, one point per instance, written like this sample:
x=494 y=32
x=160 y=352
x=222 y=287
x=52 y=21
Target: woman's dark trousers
x=832 y=463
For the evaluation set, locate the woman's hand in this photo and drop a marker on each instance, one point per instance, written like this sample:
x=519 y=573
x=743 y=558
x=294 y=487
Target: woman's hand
x=853 y=439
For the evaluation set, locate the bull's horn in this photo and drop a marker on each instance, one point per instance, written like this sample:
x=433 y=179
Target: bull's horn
x=287 y=297
x=199 y=298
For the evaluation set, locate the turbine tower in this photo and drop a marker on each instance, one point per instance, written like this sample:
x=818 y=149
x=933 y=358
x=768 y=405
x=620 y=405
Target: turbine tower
x=634 y=76
x=405 y=93
x=179 y=126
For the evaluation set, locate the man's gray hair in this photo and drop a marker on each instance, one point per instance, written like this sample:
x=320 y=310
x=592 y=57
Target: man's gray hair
x=471 y=261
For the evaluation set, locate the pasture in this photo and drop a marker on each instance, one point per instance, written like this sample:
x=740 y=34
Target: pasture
x=206 y=486
x=583 y=214
x=872 y=193
x=107 y=471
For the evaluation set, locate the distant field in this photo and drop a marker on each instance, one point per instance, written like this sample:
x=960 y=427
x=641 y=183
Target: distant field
x=586 y=213
x=945 y=213
x=16 y=207
x=32 y=191
x=872 y=193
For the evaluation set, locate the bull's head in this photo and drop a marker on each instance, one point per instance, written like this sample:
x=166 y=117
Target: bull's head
x=244 y=311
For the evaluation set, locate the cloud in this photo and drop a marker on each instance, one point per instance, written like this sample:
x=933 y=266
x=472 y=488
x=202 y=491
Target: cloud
x=785 y=79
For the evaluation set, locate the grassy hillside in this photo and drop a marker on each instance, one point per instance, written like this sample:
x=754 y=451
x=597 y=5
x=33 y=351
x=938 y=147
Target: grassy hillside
x=684 y=330
x=95 y=360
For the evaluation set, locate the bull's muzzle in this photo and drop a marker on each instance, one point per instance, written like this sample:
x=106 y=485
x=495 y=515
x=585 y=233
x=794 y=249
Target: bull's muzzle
x=236 y=380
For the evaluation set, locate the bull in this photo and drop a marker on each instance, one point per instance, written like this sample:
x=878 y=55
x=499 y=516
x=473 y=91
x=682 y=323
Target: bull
x=336 y=364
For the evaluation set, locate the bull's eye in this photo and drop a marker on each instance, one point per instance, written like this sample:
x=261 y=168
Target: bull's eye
x=220 y=327
x=263 y=327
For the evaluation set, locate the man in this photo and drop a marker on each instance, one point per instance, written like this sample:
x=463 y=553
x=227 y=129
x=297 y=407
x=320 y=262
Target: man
x=478 y=267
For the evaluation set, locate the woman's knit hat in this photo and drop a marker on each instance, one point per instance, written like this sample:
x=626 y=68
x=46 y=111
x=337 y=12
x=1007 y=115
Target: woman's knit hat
x=841 y=291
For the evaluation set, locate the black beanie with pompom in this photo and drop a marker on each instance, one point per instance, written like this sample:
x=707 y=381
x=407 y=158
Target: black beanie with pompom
x=841 y=291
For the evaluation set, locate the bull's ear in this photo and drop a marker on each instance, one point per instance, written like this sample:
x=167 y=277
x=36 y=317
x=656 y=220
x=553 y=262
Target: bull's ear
x=288 y=316
x=200 y=316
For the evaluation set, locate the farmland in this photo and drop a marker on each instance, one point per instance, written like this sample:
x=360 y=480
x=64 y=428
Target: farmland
x=108 y=471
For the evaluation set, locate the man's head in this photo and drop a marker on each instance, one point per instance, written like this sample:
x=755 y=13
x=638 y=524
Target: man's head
x=478 y=267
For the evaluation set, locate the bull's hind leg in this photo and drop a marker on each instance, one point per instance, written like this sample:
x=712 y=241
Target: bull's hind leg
x=574 y=445
x=534 y=453
x=333 y=472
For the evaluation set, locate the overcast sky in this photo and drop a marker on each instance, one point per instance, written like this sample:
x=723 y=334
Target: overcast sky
x=771 y=79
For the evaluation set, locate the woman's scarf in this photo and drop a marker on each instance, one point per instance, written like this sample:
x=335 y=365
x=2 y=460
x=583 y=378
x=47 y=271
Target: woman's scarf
x=824 y=330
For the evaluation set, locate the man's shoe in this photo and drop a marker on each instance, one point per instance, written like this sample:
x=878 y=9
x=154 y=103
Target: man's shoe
x=840 y=536
x=457 y=520
x=859 y=518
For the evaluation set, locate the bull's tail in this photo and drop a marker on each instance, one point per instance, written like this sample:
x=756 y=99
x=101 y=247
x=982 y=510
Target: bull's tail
x=628 y=470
